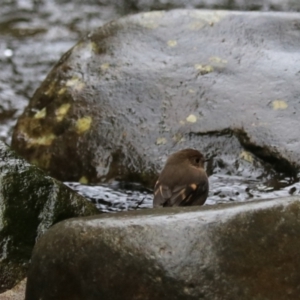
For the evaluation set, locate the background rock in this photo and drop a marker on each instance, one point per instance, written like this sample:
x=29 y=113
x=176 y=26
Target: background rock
x=30 y=203
x=150 y=84
x=34 y=34
x=142 y=5
x=243 y=251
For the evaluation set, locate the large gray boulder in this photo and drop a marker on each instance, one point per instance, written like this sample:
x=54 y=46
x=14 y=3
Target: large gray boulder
x=142 y=5
x=146 y=85
x=230 y=252
x=30 y=202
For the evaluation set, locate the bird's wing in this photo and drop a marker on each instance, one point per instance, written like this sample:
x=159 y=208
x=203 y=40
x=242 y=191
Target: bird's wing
x=194 y=193
x=179 y=193
x=161 y=194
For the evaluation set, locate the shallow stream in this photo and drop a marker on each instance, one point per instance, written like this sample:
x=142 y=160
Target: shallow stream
x=223 y=189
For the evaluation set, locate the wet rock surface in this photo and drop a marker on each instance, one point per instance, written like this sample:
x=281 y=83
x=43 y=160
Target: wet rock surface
x=284 y=5
x=33 y=37
x=30 y=202
x=241 y=251
x=128 y=94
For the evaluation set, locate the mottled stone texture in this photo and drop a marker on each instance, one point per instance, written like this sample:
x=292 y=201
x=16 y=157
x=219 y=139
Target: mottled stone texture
x=143 y=86
x=16 y=293
x=230 y=252
x=144 y=5
x=30 y=202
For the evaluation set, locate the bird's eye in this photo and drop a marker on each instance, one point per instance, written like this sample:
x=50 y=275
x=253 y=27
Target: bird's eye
x=197 y=160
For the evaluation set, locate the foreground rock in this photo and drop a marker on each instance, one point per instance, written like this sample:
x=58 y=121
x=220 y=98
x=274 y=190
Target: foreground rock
x=30 y=202
x=16 y=293
x=146 y=85
x=243 y=251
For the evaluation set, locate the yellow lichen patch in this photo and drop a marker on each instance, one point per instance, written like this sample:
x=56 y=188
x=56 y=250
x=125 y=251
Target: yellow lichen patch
x=44 y=160
x=86 y=49
x=204 y=69
x=197 y=25
x=161 y=141
x=83 y=180
x=93 y=46
x=50 y=89
x=34 y=161
x=153 y=15
x=218 y=60
x=62 y=91
x=105 y=66
x=150 y=24
x=211 y=17
x=45 y=140
x=62 y=111
x=151 y=19
x=178 y=138
x=40 y=114
x=83 y=124
x=191 y=91
x=247 y=156
x=191 y=118
x=279 y=104
x=75 y=83
x=172 y=43
x=78 y=45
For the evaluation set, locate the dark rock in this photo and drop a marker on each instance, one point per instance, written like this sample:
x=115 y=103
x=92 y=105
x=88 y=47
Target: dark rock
x=146 y=85
x=30 y=202
x=242 y=251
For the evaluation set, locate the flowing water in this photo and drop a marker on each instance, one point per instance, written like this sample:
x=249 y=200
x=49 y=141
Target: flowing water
x=120 y=196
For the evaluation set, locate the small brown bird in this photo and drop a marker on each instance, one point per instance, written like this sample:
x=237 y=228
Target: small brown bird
x=183 y=180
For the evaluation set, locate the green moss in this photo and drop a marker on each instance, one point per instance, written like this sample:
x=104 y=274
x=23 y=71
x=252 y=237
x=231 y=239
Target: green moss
x=30 y=203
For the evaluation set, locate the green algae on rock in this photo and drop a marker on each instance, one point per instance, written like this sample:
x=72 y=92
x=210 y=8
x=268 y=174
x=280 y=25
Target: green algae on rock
x=30 y=202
